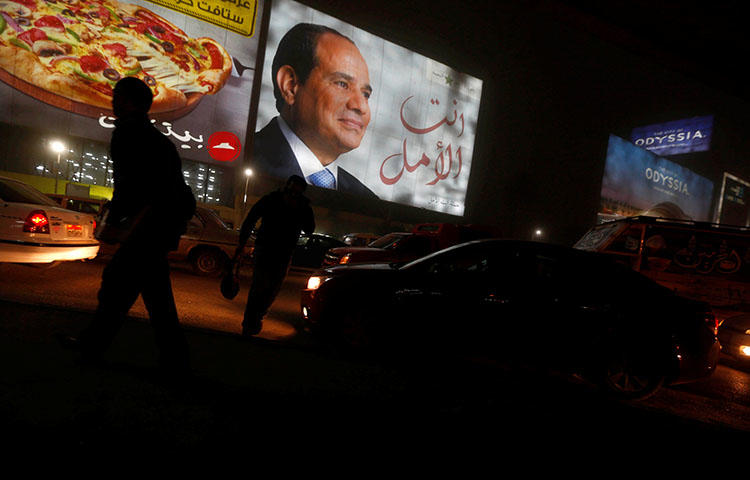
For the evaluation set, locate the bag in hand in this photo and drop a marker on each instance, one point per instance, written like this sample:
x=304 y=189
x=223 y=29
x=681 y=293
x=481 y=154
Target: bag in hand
x=230 y=282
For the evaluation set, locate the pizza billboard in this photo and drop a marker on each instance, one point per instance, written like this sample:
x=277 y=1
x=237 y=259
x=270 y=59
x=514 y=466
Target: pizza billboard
x=417 y=147
x=60 y=60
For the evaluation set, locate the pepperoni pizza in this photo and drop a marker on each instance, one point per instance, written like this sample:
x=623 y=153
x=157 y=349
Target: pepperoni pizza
x=76 y=50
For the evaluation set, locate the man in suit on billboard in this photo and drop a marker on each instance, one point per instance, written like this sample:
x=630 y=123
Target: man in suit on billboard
x=322 y=86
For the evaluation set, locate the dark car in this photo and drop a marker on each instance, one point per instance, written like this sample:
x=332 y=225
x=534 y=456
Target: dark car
x=312 y=248
x=734 y=336
x=502 y=299
x=395 y=247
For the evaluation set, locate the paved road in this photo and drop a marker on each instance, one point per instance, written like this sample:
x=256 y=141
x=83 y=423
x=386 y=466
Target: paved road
x=283 y=382
x=199 y=302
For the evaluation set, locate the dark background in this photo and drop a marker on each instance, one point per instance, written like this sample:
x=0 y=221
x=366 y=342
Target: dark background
x=559 y=77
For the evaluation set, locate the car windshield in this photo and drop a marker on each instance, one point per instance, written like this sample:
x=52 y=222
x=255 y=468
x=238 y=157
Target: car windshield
x=386 y=240
x=18 y=192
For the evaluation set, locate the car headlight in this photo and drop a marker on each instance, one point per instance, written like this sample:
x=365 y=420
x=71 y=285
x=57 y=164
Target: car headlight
x=314 y=282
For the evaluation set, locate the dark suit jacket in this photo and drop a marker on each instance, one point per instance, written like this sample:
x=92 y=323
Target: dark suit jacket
x=274 y=156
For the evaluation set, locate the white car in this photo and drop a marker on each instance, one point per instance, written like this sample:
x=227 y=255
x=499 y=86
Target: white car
x=34 y=229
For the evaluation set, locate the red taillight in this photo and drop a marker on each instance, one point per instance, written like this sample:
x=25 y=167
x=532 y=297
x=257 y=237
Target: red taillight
x=712 y=322
x=36 y=222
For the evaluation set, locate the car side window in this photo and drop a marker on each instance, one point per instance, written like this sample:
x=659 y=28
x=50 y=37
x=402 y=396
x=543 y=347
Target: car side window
x=194 y=226
x=303 y=240
x=474 y=262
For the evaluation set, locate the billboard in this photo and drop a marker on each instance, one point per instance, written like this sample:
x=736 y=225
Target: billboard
x=680 y=136
x=636 y=182
x=404 y=131
x=195 y=54
x=734 y=208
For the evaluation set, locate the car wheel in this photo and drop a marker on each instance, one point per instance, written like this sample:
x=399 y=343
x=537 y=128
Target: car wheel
x=628 y=375
x=208 y=262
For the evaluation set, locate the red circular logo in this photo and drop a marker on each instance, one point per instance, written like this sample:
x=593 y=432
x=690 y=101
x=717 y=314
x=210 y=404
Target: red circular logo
x=224 y=146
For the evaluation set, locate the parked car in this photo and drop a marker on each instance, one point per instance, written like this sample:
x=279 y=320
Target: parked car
x=501 y=299
x=395 y=247
x=359 y=239
x=402 y=247
x=208 y=243
x=734 y=336
x=34 y=229
x=702 y=261
x=312 y=248
x=79 y=204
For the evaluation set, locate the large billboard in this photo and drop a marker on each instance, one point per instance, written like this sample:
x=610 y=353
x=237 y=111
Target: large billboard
x=371 y=119
x=679 y=136
x=60 y=60
x=638 y=182
x=734 y=201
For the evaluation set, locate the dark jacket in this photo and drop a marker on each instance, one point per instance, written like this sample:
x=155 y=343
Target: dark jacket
x=273 y=156
x=147 y=173
x=281 y=223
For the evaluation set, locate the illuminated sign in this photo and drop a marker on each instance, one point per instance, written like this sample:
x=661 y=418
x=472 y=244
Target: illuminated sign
x=234 y=15
x=224 y=108
x=418 y=139
x=224 y=146
x=637 y=181
x=734 y=202
x=679 y=136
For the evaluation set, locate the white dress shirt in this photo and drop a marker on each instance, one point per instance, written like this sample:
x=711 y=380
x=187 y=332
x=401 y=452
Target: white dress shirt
x=306 y=159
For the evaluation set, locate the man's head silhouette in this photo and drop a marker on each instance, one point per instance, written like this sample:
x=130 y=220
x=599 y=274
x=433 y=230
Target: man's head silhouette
x=131 y=97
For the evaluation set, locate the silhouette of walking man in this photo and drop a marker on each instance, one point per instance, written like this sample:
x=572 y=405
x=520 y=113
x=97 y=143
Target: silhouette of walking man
x=150 y=195
x=283 y=214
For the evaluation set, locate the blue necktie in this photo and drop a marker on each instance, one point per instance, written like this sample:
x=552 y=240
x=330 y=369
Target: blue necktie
x=323 y=178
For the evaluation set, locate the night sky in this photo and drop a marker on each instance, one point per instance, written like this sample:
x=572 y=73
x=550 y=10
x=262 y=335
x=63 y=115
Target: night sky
x=559 y=77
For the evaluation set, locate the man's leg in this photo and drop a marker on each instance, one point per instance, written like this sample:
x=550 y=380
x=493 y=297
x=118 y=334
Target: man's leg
x=159 y=301
x=268 y=276
x=119 y=290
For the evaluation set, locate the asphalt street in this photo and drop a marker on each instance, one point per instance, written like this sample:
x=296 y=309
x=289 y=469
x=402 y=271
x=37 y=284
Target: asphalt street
x=284 y=387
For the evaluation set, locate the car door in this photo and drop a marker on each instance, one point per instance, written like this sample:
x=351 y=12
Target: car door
x=467 y=298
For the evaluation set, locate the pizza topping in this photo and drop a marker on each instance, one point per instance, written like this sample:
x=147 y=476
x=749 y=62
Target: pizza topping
x=117 y=48
x=111 y=74
x=17 y=9
x=92 y=63
x=217 y=59
x=66 y=20
x=129 y=62
x=32 y=35
x=50 y=22
x=150 y=81
x=9 y=20
x=47 y=48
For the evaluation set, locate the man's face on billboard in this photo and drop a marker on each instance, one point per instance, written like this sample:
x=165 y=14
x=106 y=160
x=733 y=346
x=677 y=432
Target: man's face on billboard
x=330 y=111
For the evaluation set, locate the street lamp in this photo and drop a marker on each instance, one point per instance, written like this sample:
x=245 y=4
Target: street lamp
x=248 y=174
x=58 y=147
x=538 y=234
